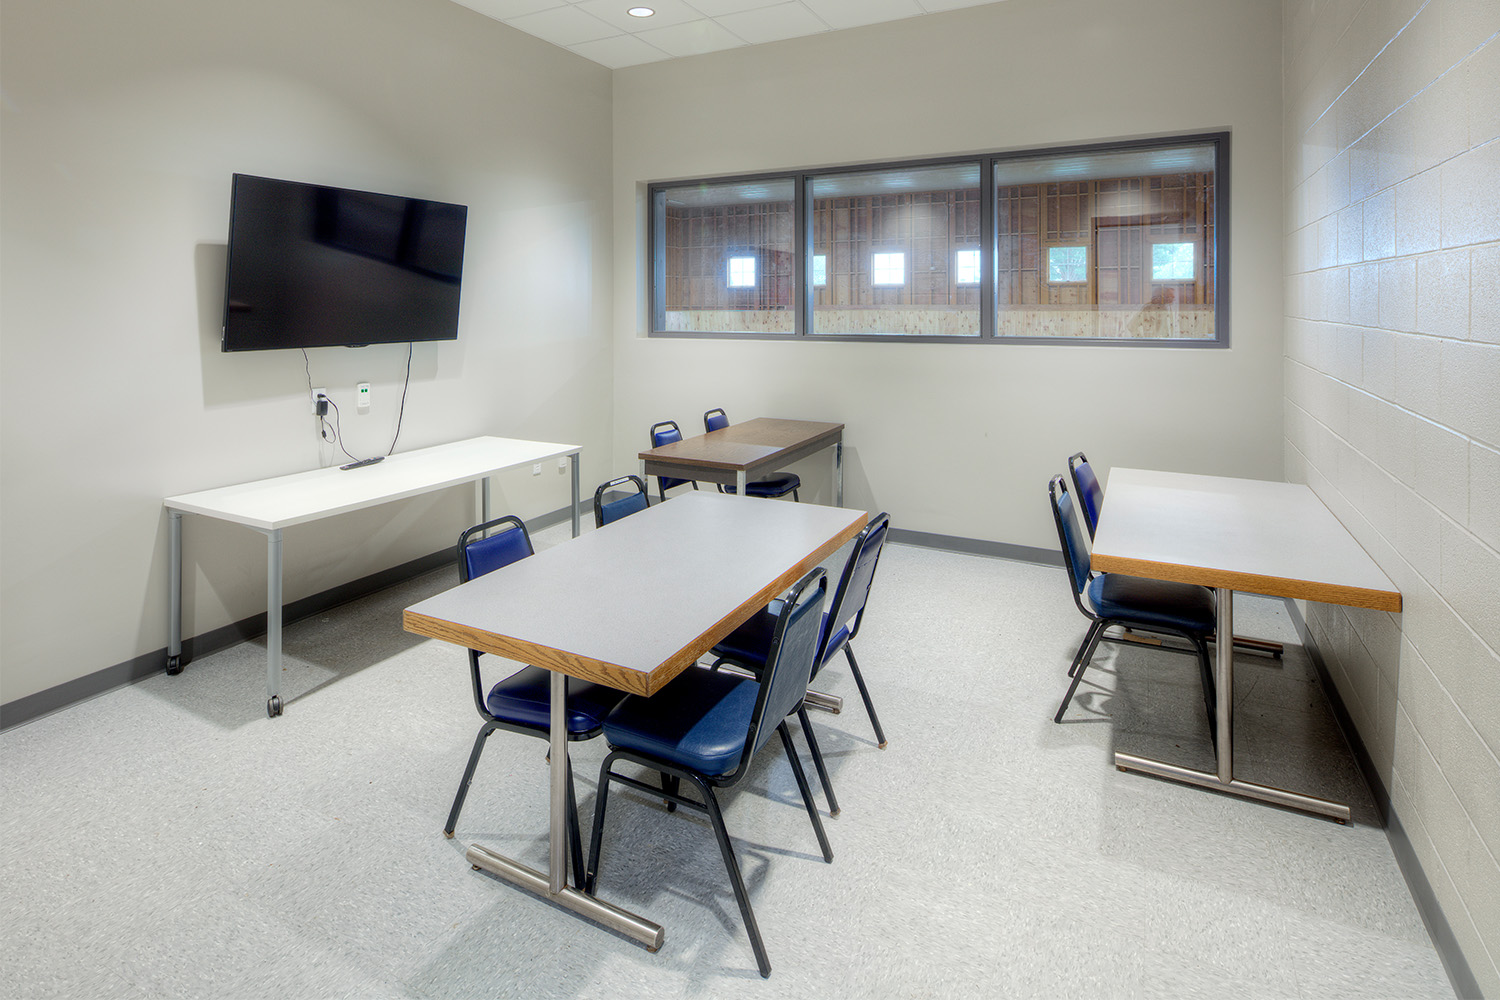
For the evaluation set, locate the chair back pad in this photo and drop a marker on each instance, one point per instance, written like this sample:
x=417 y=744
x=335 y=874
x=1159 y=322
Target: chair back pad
x=854 y=586
x=1075 y=556
x=613 y=510
x=715 y=420
x=666 y=432
x=1090 y=493
x=478 y=555
x=789 y=663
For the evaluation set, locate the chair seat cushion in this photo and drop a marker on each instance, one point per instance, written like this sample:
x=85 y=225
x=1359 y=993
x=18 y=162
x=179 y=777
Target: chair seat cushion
x=771 y=486
x=525 y=698
x=1153 y=602
x=698 y=721
x=748 y=645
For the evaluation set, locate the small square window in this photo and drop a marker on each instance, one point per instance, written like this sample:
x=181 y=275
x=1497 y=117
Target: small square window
x=1172 y=262
x=1067 y=265
x=820 y=270
x=742 y=272
x=966 y=267
x=887 y=268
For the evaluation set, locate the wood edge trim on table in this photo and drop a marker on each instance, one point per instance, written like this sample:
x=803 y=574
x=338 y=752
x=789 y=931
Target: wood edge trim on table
x=1252 y=583
x=600 y=672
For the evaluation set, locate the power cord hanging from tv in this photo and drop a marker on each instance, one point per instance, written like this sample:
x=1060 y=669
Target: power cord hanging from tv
x=334 y=432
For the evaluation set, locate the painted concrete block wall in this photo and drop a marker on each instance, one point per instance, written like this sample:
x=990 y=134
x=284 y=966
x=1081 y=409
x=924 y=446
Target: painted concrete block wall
x=122 y=125
x=961 y=439
x=1392 y=384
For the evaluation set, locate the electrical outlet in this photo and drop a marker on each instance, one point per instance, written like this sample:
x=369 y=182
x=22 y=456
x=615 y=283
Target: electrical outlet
x=562 y=464
x=316 y=394
x=536 y=470
x=362 y=395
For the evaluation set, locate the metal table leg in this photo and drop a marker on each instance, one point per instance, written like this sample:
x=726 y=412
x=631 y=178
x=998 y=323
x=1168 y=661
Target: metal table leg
x=553 y=885
x=740 y=481
x=273 y=622
x=838 y=473
x=573 y=461
x=1224 y=780
x=174 y=591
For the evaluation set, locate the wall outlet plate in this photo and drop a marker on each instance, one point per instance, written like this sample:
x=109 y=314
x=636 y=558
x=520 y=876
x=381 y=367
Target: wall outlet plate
x=362 y=395
x=536 y=470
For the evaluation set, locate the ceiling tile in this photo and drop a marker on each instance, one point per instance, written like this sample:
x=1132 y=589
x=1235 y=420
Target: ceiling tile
x=619 y=51
x=668 y=12
x=563 y=26
x=770 y=24
x=848 y=13
x=934 y=6
x=502 y=9
x=718 y=8
x=691 y=39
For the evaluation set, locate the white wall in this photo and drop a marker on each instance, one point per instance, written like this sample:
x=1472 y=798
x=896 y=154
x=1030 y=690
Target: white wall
x=960 y=439
x=123 y=124
x=1393 y=403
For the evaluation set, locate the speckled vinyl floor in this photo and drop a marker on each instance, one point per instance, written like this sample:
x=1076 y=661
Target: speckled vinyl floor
x=168 y=840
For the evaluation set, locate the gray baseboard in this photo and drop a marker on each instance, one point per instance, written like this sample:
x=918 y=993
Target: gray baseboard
x=1443 y=940
x=54 y=699
x=977 y=546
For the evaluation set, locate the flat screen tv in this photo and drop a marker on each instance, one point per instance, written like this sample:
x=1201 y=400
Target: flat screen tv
x=317 y=266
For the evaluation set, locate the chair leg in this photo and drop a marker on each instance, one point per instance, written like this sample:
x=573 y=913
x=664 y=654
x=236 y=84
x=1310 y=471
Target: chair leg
x=795 y=497
x=1080 y=663
x=817 y=756
x=1210 y=690
x=716 y=818
x=596 y=839
x=864 y=693
x=801 y=776
x=575 y=840
x=669 y=784
x=463 y=786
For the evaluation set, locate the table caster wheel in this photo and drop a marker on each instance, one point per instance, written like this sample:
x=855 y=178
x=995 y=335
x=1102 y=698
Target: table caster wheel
x=174 y=665
x=273 y=706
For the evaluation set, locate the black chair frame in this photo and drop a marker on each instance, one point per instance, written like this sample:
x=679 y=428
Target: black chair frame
x=672 y=774
x=491 y=723
x=604 y=487
x=1099 y=623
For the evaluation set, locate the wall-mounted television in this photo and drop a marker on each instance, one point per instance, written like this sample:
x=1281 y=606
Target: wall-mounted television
x=317 y=266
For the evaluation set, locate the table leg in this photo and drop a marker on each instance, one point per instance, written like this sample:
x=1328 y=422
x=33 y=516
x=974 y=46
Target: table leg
x=740 y=481
x=174 y=591
x=838 y=473
x=553 y=885
x=573 y=462
x=273 y=622
x=1223 y=779
x=484 y=499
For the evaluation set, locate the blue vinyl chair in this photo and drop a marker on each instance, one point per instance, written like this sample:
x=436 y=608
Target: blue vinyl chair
x=609 y=511
x=772 y=487
x=1159 y=606
x=1090 y=493
x=749 y=645
x=666 y=432
x=705 y=727
x=522 y=702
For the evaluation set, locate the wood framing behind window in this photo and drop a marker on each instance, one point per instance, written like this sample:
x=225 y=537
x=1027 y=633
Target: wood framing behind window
x=1108 y=243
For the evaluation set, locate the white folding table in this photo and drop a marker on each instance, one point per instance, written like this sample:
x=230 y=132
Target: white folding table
x=270 y=505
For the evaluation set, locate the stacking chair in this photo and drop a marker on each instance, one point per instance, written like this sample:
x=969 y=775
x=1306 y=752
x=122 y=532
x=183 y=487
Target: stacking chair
x=666 y=432
x=1090 y=493
x=1157 y=606
x=521 y=703
x=705 y=726
x=606 y=512
x=749 y=645
x=772 y=487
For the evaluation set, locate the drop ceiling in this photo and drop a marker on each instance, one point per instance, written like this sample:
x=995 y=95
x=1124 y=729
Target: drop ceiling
x=603 y=31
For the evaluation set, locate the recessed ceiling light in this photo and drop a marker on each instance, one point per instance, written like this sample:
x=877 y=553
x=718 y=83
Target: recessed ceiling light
x=640 y=12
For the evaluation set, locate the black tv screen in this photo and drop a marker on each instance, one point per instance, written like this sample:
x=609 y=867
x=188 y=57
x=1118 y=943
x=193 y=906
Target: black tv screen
x=316 y=266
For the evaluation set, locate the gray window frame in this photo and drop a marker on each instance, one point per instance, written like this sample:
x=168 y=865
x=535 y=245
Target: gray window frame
x=803 y=288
